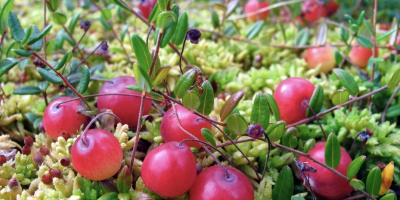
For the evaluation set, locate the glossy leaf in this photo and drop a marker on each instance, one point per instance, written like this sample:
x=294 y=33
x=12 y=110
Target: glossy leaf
x=181 y=29
x=255 y=29
x=43 y=85
x=340 y=97
x=28 y=33
x=394 y=81
x=84 y=81
x=50 y=76
x=165 y=19
x=66 y=58
x=5 y=11
x=124 y=180
x=230 y=104
x=154 y=13
x=393 y=111
x=162 y=4
x=191 y=100
x=36 y=38
x=59 y=18
x=357 y=184
x=276 y=130
x=393 y=37
x=273 y=106
x=347 y=81
x=316 y=101
x=208 y=136
x=7 y=64
x=142 y=78
x=169 y=31
x=138 y=195
x=185 y=82
x=302 y=38
x=389 y=196
x=364 y=41
x=260 y=112
x=385 y=35
x=73 y=22
x=310 y=144
x=236 y=124
x=322 y=33
x=160 y=75
x=15 y=26
x=360 y=18
x=105 y=24
x=206 y=99
x=106 y=14
x=214 y=18
x=374 y=180
x=338 y=57
x=123 y=31
x=23 y=52
x=368 y=25
x=53 y=5
x=284 y=186
x=142 y=52
x=332 y=151
x=355 y=166
x=344 y=35
x=109 y=196
x=289 y=139
x=350 y=18
x=27 y=90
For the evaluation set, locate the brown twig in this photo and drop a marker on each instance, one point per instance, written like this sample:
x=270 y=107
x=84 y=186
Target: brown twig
x=82 y=61
x=138 y=127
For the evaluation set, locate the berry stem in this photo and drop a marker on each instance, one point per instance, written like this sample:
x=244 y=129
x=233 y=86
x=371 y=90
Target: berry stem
x=269 y=151
x=181 y=55
x=80 y=39
x=83 y=135
x=316 y=118
x=64 y=79
x=82 y=61
x=139 y=126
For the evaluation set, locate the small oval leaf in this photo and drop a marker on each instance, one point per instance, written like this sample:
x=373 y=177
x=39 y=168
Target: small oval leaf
x=165 y=19
x=191 y=100
x=276 y=131
x=355 y=166
x=208 y=136
x=124 y=180
x=206 y=99
x=236 y=124
x=84 y=81
x=15 y=26
x=322 y=33
x=50 y=76
x=254 y=30
x=364 y=41
x=357 y=184
x=273 y=106
x=332 y=151
x=66 y=58
x=185 y=82
x=27 y=90
x=181 y=29
x=302 y=38
x=260 y=112
x=7 y=64
x=142 y=52
x=374 y=180
x=59 y=18
x=394 y=81
x=347 y=81
x=310 y=144
x=214 y=18
x=23 y=52
x=284 y=186
x=316 y=101
x=73 y=22
x=340 y=97
x=230 y=104
x=160 y=75
x=142 y=78
x=106 y=14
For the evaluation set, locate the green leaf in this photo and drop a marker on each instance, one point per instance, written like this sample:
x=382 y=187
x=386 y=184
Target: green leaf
x=260 y=112
x=322 y=33
x=73 y=22
x=185 y=82
x=350 y=18
x=355 y=166
x=357 y=184
x=181 y=29
x=50 y=76
x=310 y=144
x=385 y=35
x=273 y=106
x=124 y=180
x=214 y=18
x=364 y=41
x=138 y=195
x=338 y=57
x=208 y=136
x=66 y=58
x=43 y=86
x=340 y=97
x=36 y=38
x=124 y=30
x=162 y=4
x=276 y=130
x=389 y=196
x=9 y=49
x=53 y=5
x=232 y=4
x=284 y=186
x=106 y=14
x=254 y=30
x=27 y=90
x=360 y=18
x=109 y=196
x=105 y=24
x=206 y=99
x=236 y=124
x=394 y=81
x=84 y=81
x=219 y=6
x=332 y=151
x=5 y=11
x=302 y=38
x=347 y=81
x=160 y=75
x=142 y=78
x=230 y=104
x=344 y=35
x=28 y=33
x=15 y=26
x=393 y=37
x=191 y=100
x=7 y=64
x=122 y=5
x=374 y=181
x=393 y=111
x=154 y=13
x=59 y=18
x=142 y=52
x=31 y=117
x=165 y=19
x=316 y=101
x=289 y=139
x=23 y=52
x=169 y=31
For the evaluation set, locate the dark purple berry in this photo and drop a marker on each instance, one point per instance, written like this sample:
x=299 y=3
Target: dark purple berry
x=193 y=35
x=46 y=179
x=85 y=25
x=13 y=183
x=28 y=141
x=55 y=173
x=65 y=161
x=38 y=158
x=26 y=150
x=44 y=151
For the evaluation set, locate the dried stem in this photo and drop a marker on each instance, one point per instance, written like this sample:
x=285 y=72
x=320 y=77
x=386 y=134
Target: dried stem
x=80 y=39
x=2 y=37
x=388 y=104
x=153 y=64
x=138 y=127
x=316 y=118
x=181 y=55
x=82 y=61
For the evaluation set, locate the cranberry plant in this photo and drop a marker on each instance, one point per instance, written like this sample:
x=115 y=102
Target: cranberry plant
x=161 y=99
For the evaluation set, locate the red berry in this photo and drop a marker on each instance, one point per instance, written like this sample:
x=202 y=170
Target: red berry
x=192 y=123
x=26 y=150
x=253 y=6
x=65 y=161
x=212 y=184
x=62 y=118
x=98 y=156
x=125 y=107
x=292 y=96
x=13 y=183
x=312 y=10
x=324 y=183
x=55 y=173
x=47 y=179
x=323 y=56
x=331 y=8
x=169 y=170
x=360 y=55
x=66 y=135
x=146 y=6
x=28 y=141
x=44 y=151
x=3 y=160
